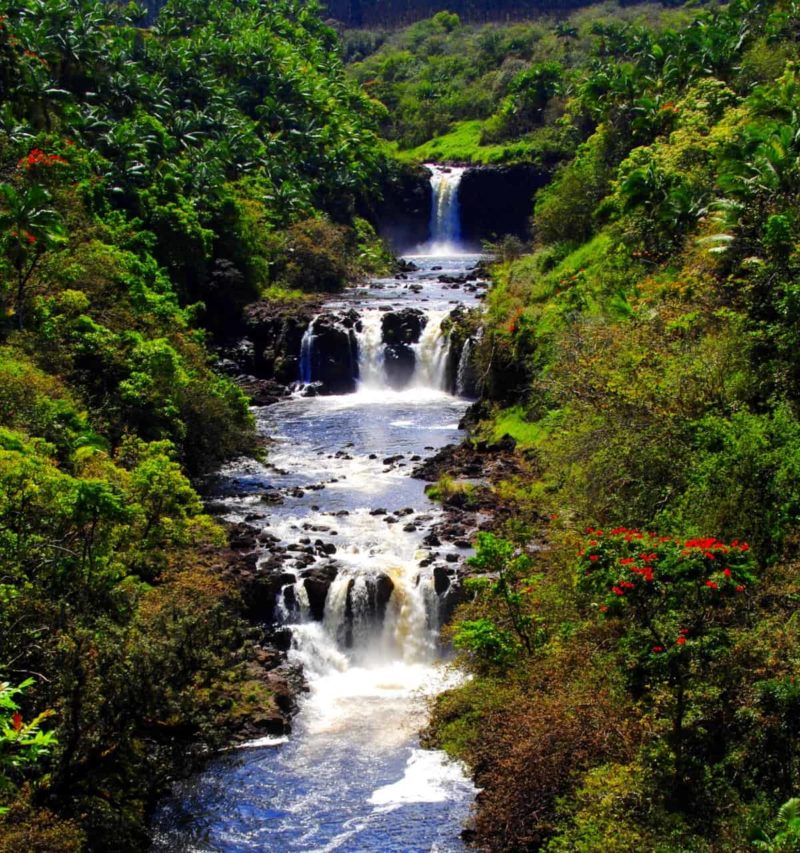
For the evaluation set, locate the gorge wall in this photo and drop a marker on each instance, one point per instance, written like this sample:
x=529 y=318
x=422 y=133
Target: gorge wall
x=498 y=200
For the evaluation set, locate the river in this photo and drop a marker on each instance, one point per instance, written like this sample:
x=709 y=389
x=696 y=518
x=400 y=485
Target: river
x=352 y=776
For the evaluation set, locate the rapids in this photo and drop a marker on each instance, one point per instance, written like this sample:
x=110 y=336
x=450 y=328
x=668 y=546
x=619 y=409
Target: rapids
x=351 y=776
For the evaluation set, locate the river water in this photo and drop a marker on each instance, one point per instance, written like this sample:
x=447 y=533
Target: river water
x=352 y=776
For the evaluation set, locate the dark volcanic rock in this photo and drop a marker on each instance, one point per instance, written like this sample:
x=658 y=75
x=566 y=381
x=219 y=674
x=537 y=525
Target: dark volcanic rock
x=403 y=212
x=262 y=392
x=498 y=200
x=441 y=580
x=276 y=330
x=403 y=327
x=398 y=363
x=317 y=583
x=334 y=353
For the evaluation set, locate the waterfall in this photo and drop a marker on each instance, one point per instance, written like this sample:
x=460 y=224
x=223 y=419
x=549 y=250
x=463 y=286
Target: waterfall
x=370 y=350
x=445 y=224
x=464 y=372
x=306 y=353
x=431 y=354
x=407 y=622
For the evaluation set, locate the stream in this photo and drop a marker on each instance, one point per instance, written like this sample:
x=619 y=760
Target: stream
x=352 y=775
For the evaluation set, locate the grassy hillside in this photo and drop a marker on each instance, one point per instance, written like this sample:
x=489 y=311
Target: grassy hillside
x=496 y=92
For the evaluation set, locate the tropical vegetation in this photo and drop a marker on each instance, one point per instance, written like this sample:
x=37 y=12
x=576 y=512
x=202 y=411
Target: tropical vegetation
x=152 y=182
x=631 y=630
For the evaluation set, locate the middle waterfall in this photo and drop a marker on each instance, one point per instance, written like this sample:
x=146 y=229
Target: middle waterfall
x=402 y=349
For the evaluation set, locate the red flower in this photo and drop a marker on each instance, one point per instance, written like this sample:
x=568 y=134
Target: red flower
x=681 y=641
x=37 y=157
x=711 y=585
x=744 y=547
x=617 y=591
x=658 y=649
x=16 y=721
x=726 y=572
x=594 y=558
x=740 y=588
x=683 y=631
x=603 y=608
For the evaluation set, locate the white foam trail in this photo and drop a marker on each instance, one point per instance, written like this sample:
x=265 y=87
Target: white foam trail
x=430 y=777
x=268 y=741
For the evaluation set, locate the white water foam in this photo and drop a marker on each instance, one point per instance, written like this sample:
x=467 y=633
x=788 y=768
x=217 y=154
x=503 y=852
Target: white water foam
x=430 y=777
x=260 y=742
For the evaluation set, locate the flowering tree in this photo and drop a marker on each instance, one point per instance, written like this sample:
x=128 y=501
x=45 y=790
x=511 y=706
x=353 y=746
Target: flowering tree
x=28 y=227
x=676 y=601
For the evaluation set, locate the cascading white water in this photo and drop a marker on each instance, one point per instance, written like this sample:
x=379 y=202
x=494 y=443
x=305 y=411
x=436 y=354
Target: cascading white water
x=352 y=776
x=306 y=352
x=354 y=622
x=370 y=351
x=431 y=354
x=445 y=223
x=464 y=368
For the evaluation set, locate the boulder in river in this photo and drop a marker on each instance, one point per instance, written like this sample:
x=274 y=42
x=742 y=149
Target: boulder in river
x=333 y=353
x=317 y=582
x=399 y=362
x=403 y=327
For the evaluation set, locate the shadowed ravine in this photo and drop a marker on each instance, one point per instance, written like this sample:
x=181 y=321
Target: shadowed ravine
x=352 y=775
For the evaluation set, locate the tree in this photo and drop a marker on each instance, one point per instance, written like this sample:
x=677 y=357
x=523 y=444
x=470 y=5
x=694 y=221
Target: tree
x=29 y=226
x=676 y=601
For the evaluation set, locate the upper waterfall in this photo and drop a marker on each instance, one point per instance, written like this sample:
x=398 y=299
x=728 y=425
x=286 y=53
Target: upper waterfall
x=445 y=224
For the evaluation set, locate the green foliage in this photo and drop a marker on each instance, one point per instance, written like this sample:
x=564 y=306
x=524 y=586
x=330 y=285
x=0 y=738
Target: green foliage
x=29 y=226
x=645 y=357
x=489 y=644
x=504 y=581
x=22 y=743
x=153 y=181
x=786 y=834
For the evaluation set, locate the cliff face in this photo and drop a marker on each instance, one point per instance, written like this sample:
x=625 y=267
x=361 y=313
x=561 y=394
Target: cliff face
x=495 y=201
x=402 y=215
